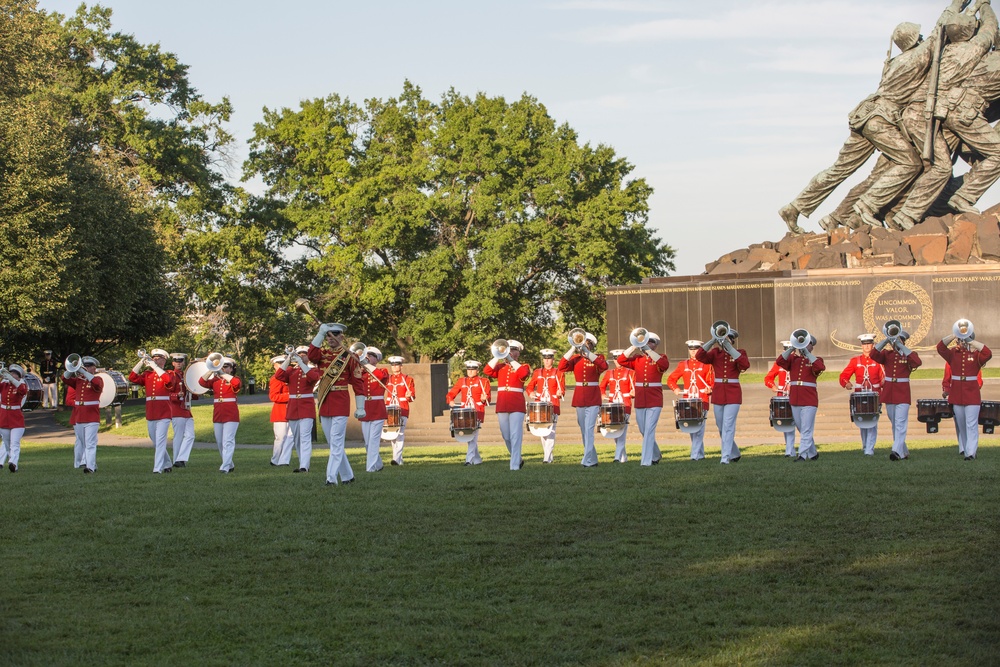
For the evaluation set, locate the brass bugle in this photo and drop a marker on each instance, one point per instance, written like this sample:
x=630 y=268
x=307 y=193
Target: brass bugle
x=892 y=329
x=639 y=337
x=720 y=329
x=963 y=330
x=800 y=339
x=500 y=349
x=577 y=337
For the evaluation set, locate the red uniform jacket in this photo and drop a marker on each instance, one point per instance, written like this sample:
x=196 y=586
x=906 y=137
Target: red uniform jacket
x=727 y=389
x=10 y=405
x=71 y=401
x=510 y=386
x=374 y=395
x=398 y=386
x=965 y=365
x=178 y=398
x=473 y=393
x=777 y=378
x=277 y=391
x=338 y=400
x=856 y=367
x=896 y=382
x=802 y=379
x=587 y=392
x=619 y=382
x=694 y=374
x=158 y=390
x=647 y=379
x=86 y=399
x=225 y=409
x=301 y=399
x=551 y=378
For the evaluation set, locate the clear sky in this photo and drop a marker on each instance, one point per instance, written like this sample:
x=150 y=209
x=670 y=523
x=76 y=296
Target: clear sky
x=727 y=108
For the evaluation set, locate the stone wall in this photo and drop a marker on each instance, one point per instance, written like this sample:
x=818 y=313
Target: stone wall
x=963 y=239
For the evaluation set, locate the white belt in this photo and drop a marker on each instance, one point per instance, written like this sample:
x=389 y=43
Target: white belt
x=380 y=397
x=157 y=398
x=963 y=378
x=300 y=396
x=89 y=403
x=649 y=384
x=10 y=407
x=225 y=400
x=897 y=379
x=725 y=380
x=520 y=391
x=796 y=383
x=859 y=386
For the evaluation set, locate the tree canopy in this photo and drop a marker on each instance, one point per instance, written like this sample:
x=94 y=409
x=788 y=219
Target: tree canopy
x=441 y=226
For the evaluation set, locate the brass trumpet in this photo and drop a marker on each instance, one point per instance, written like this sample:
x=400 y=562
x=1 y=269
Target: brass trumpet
x=73 y=363
x=577 y=337
x=639 y=338
x=963 y=330
x=213 y=362
x=500 y=349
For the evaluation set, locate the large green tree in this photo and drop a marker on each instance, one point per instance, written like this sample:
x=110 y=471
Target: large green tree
x=441 y=226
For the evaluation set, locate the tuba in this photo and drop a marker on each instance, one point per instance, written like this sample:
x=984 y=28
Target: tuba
x=720 y=330
x=577 y=337
x=800 y=339
x=892 y=329
x=963 y=330
x=500 y=349
x=639 y=338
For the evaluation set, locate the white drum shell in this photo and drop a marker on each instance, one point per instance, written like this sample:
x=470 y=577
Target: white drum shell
x=194 y=373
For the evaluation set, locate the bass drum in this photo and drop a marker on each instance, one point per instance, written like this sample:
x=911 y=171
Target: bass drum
x=33 y=399
x=194 y=373
x=115 y=389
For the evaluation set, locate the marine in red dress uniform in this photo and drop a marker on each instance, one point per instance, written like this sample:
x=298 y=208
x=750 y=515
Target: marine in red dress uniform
x=159 y=385
x=400 y=391
x=277 y=393
x=803 y=370
x=374 y=418
x=586 y=367
x=727 y=394
x=966 y=359
x=867 y=375
x=13 y=391
x=548 y=384
x=225 y=412
x=510 y=375
x=86 y=417
x=300 y=378
x=898 y=361
x=777 y=381
x=698 y=379
x=180 y=412
x=618 y=386
x=473 y=392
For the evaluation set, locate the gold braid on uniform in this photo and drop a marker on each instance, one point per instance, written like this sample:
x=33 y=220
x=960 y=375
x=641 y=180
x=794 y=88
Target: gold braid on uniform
x=333 y=373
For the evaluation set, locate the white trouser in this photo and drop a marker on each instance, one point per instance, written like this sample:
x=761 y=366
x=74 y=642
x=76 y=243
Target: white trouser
x=372 y=433
x=335 y=430
x=586 y=418
x=967 y=424
x=225 y=438
x=899 y=415
x=183 y=438
x=397 y=444
x=868 y=438
x=725 y=421
x=789 y=442
x=512 y=430
x=300 y=438
x=621 y=455
x=10 y=448
x=698 y=443
x=805 y=419
x=549 y=442
x=50 y=395
x=85 y=449
x=157 y=429
x=472 y=455
x=282 y=441
x=646 y=419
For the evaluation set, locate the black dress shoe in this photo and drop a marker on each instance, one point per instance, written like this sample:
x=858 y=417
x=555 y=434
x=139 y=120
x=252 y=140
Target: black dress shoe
x=88 y=471
x=168 y=470
x=592 y=465
x=331 y=484
x=521 y=464
x=815 y=458
x=893 y=456
x=348 y=481
x=274 y=464
x=300 y=470
x=180 y=464
x=467 y=463
x=393 y=462
x=798 y=458
x=970 y=458
x=12 y=467
x=736 y=459
x=656 y=462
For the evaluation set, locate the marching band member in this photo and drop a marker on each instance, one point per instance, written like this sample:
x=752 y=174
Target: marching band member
x=946 y=389
x=547 y=383
x=698 y=379
x=965 y=359
x=402 y=390
x=12 y=392
x=587 y=368
x=618 y=386
x=277 y=392
x=649 y=367
x=897 y=364
x=301 y=408
x=339 y=369
x=510 y=375
x=49 y=370
x=471 y=391
x=727 y=395
x=159 y=385
x=225 y=412
x=374 y=417
x=777 y=381
x=867 y=374
x=803 y=369
x=86 y=417
x=180 y=412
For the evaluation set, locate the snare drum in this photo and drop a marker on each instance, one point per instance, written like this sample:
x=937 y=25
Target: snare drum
x=612 y=414
x=115 y=389
x=781 y=414
x=464 y=423
x=931 y=411
x=865 y=409
x=689 y=415
x=540 y=412
x=393 y=416
x=989 y=415
x=33 y=399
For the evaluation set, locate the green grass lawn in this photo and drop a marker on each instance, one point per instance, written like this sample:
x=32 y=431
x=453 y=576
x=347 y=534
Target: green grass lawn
x=844 y=561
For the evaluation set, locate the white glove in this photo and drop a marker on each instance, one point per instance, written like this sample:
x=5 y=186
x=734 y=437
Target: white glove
x=359 y=405
x=590 y=355
x=881 y=344
x=492 y=363
x=287 y=362
x=810 y=357
x=67 y=375
x=730 y=349
x=570 y=354
x=787 y=353
x=653 y=354
x=226 y=376
x=630 y=351
x=207 y=376
x=903 y=350
x=88 y=376
x=947 y=339
x=138 y=367
x=371 y=369
x=707 y=345
x=513 y=364
x=156 y=369
x=976 y=345
x=303 y=364
x=318 y=339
